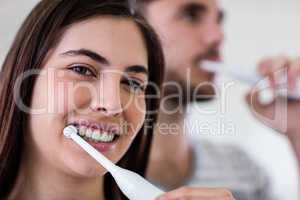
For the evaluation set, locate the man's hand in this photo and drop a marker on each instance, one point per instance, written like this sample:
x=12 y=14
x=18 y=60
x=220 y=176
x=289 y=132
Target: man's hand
x=289 y=126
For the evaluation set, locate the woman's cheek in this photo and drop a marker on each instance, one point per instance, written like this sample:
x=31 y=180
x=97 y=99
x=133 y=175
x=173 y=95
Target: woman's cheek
x=78 y=98
x=66 y=92
x=135 y=115
x=58 y=94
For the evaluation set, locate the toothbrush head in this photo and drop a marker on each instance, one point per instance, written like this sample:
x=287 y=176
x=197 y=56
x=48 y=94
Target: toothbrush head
x=69 y=130
x=211 y=66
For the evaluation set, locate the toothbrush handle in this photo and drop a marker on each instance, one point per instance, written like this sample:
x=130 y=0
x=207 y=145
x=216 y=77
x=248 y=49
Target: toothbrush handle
x=264 y=83
x=216 y=67
x=107 y=164
x=134 y=186
x=295 y=94
x=283 y=91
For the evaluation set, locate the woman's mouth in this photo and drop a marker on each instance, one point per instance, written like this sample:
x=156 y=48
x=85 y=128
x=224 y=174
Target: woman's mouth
x=103 y=137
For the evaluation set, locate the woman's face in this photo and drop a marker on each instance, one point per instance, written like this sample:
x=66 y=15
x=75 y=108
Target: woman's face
x=94 y=78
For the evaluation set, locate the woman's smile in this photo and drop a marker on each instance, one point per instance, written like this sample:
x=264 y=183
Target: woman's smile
x=102 y=136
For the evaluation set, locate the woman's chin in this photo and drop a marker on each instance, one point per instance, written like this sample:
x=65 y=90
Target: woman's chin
x=77 y=162
x=84 y=167
x=80 y=163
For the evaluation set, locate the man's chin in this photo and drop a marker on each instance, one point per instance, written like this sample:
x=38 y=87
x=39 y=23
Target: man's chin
x=189 y=96
x=207 y=93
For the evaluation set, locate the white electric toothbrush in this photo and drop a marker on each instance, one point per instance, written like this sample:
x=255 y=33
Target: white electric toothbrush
x=252 y=79
x=134 y=186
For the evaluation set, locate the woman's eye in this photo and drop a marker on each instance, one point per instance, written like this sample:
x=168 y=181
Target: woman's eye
x=82 y=70
x=134 y=85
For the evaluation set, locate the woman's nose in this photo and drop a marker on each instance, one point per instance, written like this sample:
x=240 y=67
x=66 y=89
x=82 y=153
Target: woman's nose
x=108 y=98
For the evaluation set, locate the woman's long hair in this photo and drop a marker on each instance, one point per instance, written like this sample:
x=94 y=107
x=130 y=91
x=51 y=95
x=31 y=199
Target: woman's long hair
x=39 y=34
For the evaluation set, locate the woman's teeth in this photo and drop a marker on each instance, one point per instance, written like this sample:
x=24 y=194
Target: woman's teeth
x=95 y=134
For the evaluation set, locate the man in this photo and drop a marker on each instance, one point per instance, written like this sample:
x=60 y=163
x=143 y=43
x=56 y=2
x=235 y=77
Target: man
x=191 y=31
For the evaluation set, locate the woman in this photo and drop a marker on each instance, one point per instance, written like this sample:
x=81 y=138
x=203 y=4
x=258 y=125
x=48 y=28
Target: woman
x=88 y=63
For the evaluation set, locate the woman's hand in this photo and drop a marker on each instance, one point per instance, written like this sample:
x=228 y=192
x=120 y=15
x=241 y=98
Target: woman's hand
x=194 y=193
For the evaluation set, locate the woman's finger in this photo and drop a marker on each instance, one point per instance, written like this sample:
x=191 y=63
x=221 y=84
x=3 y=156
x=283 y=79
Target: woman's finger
x=190 y=193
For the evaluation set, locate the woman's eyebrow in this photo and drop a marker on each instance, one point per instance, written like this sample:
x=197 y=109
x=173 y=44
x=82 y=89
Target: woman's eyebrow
x=100 y=59
x=137 y=69
x=89 y=53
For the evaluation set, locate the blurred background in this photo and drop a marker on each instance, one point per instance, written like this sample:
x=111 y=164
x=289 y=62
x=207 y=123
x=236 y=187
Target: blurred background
x=254 y=29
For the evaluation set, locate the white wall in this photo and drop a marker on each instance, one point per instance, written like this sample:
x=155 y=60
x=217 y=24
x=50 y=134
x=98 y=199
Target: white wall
x=12 y=14
x=254 y=28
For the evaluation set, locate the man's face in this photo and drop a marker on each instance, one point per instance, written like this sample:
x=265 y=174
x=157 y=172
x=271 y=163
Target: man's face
x=190 y=32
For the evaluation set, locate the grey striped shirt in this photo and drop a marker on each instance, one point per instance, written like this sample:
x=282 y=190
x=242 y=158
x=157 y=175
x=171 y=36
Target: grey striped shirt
x=229 y=167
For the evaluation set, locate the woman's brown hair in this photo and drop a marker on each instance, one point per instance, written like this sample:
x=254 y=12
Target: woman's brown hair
x=37 y=36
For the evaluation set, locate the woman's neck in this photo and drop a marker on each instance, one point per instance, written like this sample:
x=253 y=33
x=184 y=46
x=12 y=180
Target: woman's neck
x=38 y=181
x=169 y=140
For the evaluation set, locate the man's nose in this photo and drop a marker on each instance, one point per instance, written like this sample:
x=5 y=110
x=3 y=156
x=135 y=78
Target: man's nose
x=212 y=34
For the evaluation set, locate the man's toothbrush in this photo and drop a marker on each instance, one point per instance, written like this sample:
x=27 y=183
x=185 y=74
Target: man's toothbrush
x=252 y=79
x=134 y=186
